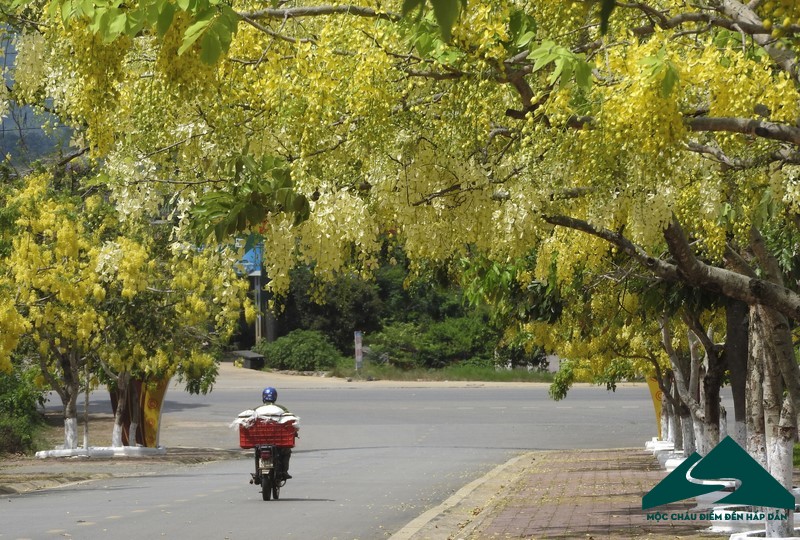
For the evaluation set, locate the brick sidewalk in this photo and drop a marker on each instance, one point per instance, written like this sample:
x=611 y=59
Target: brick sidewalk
x=586 y=494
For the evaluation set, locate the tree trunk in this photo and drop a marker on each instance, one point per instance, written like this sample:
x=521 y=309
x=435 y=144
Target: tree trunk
x=687 y=432
x=779 y=413
x=780 y=451
x=676 y=429
x=667 y=418
x=136 y=415
x=756 y=432
x=70 y=367
x=736 y=353
x=123 y=385
x=686 y=382
x=71 y=422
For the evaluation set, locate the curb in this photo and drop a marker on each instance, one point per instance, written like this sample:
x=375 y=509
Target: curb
x=454 y=514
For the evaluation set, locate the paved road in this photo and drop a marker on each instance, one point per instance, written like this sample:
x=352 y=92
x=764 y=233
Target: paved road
x=371 y=457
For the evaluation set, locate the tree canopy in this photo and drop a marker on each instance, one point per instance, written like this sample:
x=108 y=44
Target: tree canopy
x=668 y=137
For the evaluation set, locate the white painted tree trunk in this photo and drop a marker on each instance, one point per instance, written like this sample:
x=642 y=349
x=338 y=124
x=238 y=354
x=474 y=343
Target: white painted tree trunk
x=69 y=397
x=710 y=437
x=699 y=438
x=132 y=434
x=779 y=456
x=780 y=419
x=71 y=432
x=116 y=435
x=739 y=433
x=723 y=424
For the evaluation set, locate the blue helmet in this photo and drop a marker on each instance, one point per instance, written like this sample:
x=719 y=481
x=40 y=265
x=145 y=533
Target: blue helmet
x=269 y=395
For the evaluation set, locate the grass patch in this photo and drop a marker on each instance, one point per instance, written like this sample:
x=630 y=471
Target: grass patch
x=796 y=456
x=451 y=373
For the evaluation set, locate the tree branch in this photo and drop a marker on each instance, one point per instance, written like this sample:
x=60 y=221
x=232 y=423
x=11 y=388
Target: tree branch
x=316 y=11
x=660 y=268
x=732 y=284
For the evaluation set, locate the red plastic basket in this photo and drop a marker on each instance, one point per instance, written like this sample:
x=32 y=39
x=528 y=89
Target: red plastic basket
x=264 y=432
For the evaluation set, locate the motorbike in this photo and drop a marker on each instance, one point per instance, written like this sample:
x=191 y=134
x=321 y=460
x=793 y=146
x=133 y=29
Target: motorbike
x=273 y=443
x=269 y=469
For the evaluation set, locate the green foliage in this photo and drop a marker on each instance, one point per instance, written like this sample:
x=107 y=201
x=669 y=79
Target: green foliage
x=423 y=299
x=566 y=65
x=518 y=355
x=338 y=310
x=511 y=301
x=455 y=340
x=562 y=381
x=459 y=372
x=522 y=28
x=215 y=22
x=397 y=344
x=616 y=371
x=301 y=350
x=659 y=67
x=260 y=187
x=19 y=415
x=446 y=12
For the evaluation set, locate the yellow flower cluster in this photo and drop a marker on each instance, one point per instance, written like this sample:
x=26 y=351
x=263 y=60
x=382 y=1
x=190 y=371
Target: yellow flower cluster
x=186 y=74
x=84 y=81
x=483 y=29
x=12 y=326
x=779 y=15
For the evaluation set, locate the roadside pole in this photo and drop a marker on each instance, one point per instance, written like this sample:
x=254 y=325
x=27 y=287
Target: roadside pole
x=359 y=352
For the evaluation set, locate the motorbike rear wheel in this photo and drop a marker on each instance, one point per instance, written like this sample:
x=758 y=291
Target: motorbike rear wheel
x=276 y=487
x=266 y=485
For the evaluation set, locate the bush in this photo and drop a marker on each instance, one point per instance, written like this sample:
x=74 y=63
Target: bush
x=301 y=350
x=456 y=340
x=19 y=414
x=16 y=435
x=397 y=344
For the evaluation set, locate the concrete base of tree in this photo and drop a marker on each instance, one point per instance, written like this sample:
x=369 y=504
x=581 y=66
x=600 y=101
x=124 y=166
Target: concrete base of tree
x=761 y=533
x=102 y=451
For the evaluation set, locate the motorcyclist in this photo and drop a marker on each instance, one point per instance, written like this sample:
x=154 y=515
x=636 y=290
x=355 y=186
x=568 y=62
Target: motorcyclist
x=281 y=414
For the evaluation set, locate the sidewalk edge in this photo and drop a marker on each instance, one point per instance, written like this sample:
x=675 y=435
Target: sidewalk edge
x=417 y=524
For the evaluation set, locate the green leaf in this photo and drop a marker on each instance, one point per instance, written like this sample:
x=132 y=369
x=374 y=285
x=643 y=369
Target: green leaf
x=226 y=26
x=583 y=75
x=165 y=18
x=522 y=29
x=136 y=21
x=66 y=11
x=196 y=30
x=566 y=73
x=210 y=48
x=116 y=26
x=669 y=81
x=87 y=8
x=411 y=5
x=557 y=71
x=446 y=13
x=524 y=39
